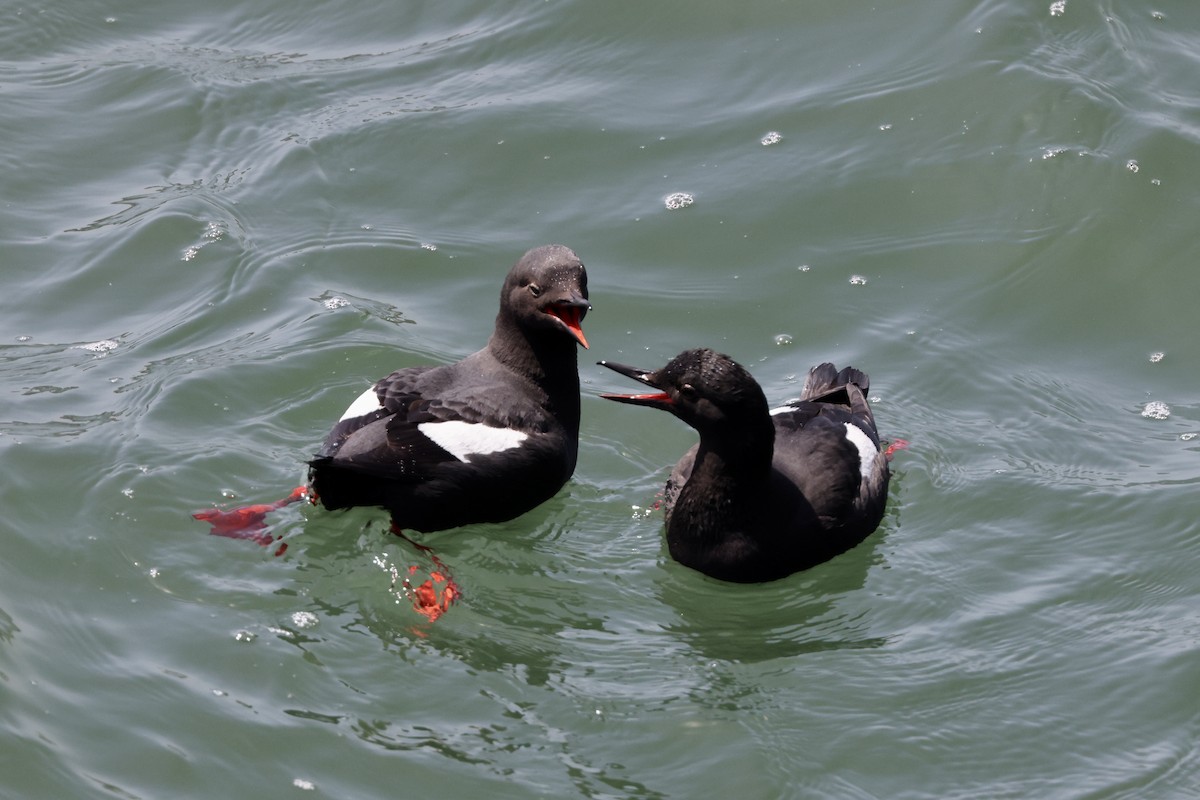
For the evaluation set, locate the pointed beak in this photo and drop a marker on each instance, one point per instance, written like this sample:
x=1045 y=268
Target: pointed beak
x=654 y=400
x=571 y=313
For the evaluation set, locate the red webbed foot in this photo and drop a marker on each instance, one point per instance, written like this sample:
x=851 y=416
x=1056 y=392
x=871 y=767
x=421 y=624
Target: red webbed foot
x=433 y=597
x=248 y=522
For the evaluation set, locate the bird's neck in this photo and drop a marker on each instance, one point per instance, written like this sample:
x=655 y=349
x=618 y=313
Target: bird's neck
x=550 y=362
x=728 y=487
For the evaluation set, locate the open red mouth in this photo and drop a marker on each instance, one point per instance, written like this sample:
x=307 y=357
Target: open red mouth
x=652 y=399
x=656 y=400
x=572 y=317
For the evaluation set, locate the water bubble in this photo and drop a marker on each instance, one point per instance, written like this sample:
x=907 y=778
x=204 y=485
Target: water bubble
x=428 y=246
x=772 y=137
x=1187 y=437
x=24 y=338
x=677 y=200
x=305 y=619
x=245 y=636
x=213 y=232
x=803 y=268
x=101 y=347
x=301 y=783
x=1156 y=357
x=1156 y=409
x=1053 y=152
x=1058 y=8
x=858 y=280
x=335 y=302
x=1132 y=165
x=128 y=493
x=783 y=339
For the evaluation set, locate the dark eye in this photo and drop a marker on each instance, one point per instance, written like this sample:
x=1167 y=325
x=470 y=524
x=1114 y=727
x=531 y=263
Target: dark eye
x=688 y=391
x=535 y=290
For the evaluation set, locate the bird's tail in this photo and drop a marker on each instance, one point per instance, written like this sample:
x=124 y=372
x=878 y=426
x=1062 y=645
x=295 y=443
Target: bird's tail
x=825 y=379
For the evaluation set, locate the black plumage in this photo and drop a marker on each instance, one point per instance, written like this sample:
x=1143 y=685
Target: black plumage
x=766 y=493
x=481 y=440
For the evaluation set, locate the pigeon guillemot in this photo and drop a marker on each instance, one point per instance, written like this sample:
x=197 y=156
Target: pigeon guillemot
x=766 y=493
x=482 y=440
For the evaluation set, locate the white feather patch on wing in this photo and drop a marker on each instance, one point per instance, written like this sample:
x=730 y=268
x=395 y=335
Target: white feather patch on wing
x=367 y=402
x=867 y=451
x=786 y=407
x=465 y=439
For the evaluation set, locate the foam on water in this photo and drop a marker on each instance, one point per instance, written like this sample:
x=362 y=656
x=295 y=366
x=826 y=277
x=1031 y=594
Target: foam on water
x=305 y=619
x=1156 y=409
x=101 y=347
x=678 y=200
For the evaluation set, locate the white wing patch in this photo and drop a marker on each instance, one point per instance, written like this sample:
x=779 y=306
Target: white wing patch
x=465 y=439
x=786 y=407
x=867 y=451
x=367 y=402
